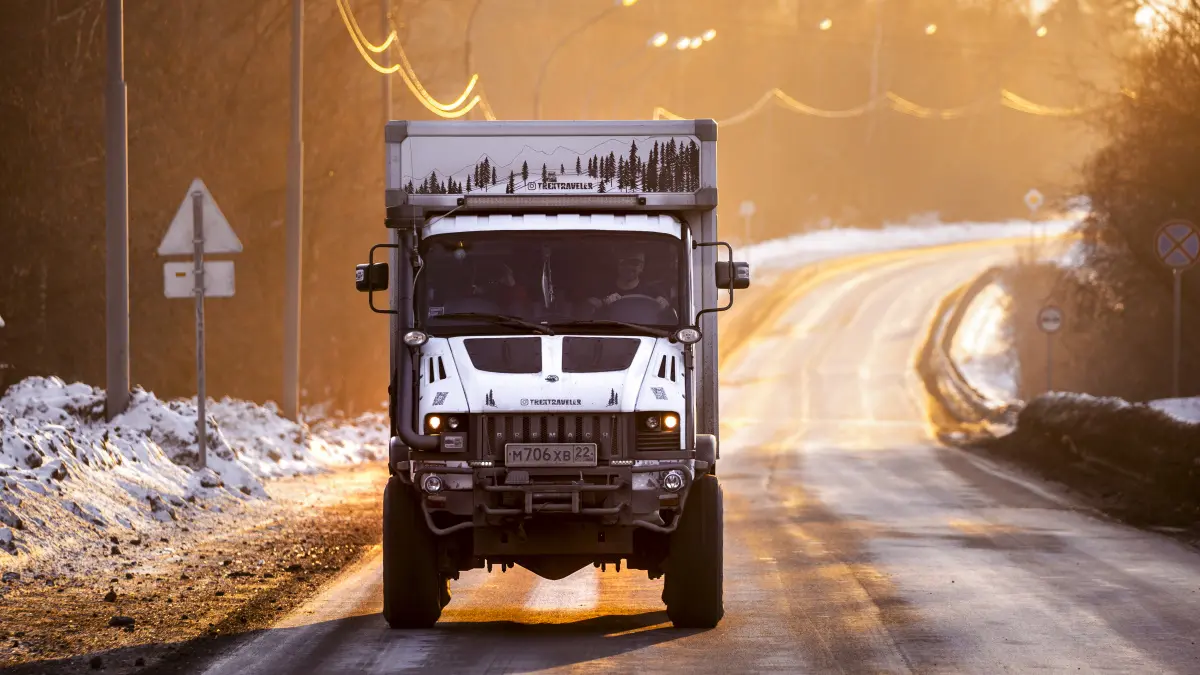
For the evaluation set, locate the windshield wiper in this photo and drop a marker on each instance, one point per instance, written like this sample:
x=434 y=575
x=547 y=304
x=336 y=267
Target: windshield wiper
x=656 y=332
x=501 y=319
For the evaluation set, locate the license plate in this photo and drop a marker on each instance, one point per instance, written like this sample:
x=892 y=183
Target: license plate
x=550 y=454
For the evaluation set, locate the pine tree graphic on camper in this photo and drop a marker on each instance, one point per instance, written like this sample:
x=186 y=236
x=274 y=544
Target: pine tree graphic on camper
x=658 y=165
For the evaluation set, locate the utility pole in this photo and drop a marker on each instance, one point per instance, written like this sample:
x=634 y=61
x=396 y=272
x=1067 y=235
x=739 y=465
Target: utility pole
x=116 y=278
x=876 y=49
x=295 y=225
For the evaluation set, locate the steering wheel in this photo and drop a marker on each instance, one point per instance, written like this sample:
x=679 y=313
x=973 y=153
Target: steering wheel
x=636 y=303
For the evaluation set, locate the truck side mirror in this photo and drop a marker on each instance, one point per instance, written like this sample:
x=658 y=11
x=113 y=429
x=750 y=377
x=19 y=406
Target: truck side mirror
x=371 y=277
x=732 y=275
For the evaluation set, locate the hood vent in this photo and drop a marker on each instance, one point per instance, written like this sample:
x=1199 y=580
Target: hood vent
x=511 y=356
x=436 y=369
x=666 y=368
x=597 y=355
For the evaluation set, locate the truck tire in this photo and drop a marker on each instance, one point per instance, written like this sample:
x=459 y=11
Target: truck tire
x=413 y=591
x=692 y=588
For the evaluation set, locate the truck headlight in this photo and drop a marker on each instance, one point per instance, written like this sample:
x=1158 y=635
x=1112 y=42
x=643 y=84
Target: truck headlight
x=453 y=423
x=658 y=421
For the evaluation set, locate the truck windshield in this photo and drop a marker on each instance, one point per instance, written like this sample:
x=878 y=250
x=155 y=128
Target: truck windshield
x=582 y=281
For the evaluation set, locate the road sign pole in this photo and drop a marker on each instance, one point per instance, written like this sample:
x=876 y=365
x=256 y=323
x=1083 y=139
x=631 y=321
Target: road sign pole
x=1178 y=333
x=116 y=286
x=295 y=226
x=1049 y=362
x=1050 y=321
x=1178 y=247
x=198 y=277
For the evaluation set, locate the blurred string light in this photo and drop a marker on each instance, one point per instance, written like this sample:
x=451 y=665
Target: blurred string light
x=659 y=39
x=452 y=110
x=899 y=104
x=825 y=24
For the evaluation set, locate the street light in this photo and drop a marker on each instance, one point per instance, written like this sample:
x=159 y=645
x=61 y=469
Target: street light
x=658 y=40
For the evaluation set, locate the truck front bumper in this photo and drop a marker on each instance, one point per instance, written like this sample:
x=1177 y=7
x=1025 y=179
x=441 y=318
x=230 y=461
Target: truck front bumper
x=478 y=497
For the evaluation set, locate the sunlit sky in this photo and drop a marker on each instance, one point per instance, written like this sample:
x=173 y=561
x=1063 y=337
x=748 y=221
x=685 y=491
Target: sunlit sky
x=1147 y=18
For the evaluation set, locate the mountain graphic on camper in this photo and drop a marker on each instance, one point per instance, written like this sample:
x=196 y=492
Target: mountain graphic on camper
x=644 y=165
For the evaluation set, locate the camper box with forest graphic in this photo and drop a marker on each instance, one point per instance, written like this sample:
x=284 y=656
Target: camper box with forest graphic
x=552 y=288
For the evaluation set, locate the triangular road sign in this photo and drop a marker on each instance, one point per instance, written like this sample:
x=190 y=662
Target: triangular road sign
x=218 y=236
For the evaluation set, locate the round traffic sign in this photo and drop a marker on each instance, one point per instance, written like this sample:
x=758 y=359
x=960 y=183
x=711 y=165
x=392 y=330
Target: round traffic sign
x=1177 y=244
x=1034 y=200
x=1050 y=319
x=747 y=209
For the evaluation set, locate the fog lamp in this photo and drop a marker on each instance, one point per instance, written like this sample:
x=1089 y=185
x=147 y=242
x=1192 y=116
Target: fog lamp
x=673 y=481
x=432 y=484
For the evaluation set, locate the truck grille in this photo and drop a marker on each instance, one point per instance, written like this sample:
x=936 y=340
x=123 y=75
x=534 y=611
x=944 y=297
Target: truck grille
x=501 y=429
x=658 y=441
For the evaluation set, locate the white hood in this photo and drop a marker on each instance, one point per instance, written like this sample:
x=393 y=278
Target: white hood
x=449 y=382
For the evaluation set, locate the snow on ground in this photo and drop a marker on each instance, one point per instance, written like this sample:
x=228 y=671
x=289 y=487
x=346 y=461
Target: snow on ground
x=68 y=478
x=819 y=245
x=983 y=349
x=1182 y=409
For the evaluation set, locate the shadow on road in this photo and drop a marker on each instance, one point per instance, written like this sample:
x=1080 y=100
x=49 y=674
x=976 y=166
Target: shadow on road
x=365 y=644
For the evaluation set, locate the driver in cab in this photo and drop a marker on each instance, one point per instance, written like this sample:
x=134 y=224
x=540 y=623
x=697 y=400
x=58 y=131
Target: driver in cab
x=629 y=282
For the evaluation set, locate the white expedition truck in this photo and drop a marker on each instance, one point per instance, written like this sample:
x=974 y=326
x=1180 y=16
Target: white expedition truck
x=553 y=391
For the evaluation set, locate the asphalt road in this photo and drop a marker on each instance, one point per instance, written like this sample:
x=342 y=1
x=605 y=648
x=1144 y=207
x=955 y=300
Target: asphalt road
x=854 y=543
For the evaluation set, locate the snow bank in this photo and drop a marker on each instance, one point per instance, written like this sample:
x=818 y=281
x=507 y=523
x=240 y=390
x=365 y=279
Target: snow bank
x=832 y=243
x=68 y=477
x=1180 y=409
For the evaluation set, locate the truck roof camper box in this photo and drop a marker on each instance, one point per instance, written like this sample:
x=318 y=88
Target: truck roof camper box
x=553 y=289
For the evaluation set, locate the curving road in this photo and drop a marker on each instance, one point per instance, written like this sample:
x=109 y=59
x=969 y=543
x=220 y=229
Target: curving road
x=854 y=543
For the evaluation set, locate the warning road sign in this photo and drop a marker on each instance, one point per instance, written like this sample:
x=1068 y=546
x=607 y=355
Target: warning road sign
x=1178 y=244
x=218 y=236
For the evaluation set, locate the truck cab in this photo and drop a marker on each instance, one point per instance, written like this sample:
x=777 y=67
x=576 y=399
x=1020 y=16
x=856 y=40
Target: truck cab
x=553 y=361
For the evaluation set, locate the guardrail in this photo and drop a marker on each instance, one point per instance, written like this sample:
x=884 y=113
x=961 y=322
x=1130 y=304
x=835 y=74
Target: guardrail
x=944 y=381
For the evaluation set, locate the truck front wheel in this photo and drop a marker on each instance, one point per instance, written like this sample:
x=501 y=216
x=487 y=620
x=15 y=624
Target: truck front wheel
x=692 y=588
x=413 y=591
